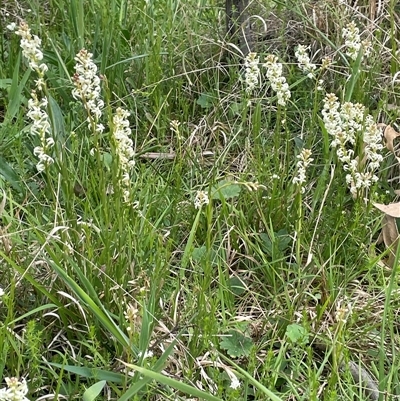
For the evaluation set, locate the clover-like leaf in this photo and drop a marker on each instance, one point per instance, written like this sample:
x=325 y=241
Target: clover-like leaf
x=297 y=334
x=205 y=100
x=236 y=344
x=225 y=189
x=199 y=253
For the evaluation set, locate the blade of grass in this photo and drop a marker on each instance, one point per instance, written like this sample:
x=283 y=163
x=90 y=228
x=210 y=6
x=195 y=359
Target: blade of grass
x=355 y=74
x=252 y=380
x=167 y=381
x=90 y=300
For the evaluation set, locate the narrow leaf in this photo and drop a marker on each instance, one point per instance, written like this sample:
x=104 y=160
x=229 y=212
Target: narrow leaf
x=252 y=380
x=33 y=311
x=178 y=385
x=92 y=373
x=10 y=175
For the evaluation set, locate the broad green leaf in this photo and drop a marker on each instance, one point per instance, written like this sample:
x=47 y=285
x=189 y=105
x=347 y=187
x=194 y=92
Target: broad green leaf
x=275 y=242
x=199 y=253
x=106 y=158
x=28 y=277
x=57 y=119
x=225 y=189
x=93 y=391
x=237 y=285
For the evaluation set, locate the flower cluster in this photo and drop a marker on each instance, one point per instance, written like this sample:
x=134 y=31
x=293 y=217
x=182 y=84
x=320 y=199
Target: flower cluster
x=87 y=88
x=343 y=311
x=305 y=160
x=16 y=390
x=304 y=62
x=345 y=123
x=278 y=82
x=252 y=71
x=12 y=26
x=353 y=44
x=30 y=45
x=201 y=199
x=41 y=128
x=131 y=314
x=37 y=112
x=146 y=354
x=373 y=143
x=174 y=126
x=235 y=383
x=124 y=147
x=326 y=62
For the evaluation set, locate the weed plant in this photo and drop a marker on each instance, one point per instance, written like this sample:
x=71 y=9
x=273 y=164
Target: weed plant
x=180 y=221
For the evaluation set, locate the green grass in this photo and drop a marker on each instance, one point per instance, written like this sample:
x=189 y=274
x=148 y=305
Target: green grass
x=278 y=287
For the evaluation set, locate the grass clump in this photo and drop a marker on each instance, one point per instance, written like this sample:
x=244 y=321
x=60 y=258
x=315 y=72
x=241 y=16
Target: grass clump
x=180 y=220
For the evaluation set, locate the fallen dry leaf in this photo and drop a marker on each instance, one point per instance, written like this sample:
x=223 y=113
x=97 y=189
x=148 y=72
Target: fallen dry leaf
x=390 y=238
x=390 y=233
x=390 y=134
x=392 y=209
x=3 y=202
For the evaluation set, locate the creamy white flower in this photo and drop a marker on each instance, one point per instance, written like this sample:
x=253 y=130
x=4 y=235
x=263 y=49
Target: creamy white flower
x=351 y=35
x=304 y=62
x=31 y=50
x=235 y=383
x=147 y=354
x=16 y=390
x=353 y=43
x=87 y=88
x=345 y=123
x=343 y=312
x=201 y=199
x=174 y=126
x=123 y=147
x=278 y=82
x=12 y=26
x=305 y=160
x=252 y=72
x=37 y=113
x=373 y=140
x=37 y=108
